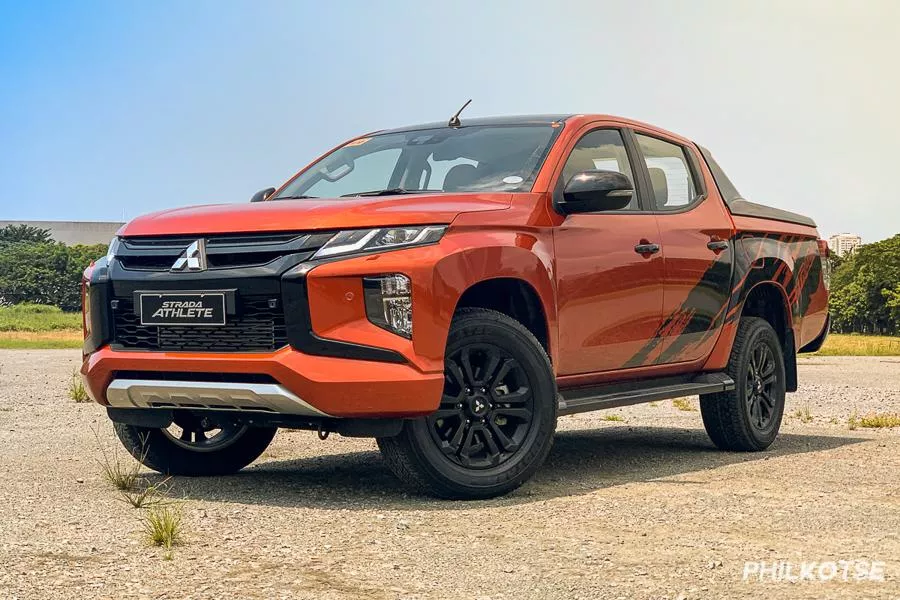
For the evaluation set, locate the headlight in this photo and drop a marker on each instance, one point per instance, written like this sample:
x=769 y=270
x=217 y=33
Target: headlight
x=367 y=240
x=389 y=303
x=111 y=251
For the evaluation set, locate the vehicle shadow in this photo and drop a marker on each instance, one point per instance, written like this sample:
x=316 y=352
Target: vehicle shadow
x=581 y=461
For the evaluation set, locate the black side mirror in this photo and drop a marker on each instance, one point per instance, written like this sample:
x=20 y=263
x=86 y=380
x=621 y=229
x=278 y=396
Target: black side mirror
x=594 y=191
x=262 y=195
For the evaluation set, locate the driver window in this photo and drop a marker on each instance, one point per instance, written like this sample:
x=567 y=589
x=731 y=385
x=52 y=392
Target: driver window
x=600 y=150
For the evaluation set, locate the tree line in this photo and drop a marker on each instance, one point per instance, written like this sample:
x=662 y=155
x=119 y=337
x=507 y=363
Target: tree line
x=865 y=286
x=35 y=268
x=865 y=289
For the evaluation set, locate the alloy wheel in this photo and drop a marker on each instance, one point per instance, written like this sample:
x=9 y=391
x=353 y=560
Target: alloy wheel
x=200 y=435
x=761 y=386
x=486 y=408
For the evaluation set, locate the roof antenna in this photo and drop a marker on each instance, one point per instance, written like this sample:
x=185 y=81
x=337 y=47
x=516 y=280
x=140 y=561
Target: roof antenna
x=454 y=120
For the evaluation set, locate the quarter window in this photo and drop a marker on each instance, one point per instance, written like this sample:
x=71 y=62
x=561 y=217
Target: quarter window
x=600 y=150
x=670 y=174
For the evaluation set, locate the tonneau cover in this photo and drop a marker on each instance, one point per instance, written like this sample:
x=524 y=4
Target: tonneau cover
x=745 y=208
x=739 y=206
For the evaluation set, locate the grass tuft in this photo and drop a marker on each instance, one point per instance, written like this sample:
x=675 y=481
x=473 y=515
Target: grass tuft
x=853 y=421
x=616 y=418
x=121 y=474
x=684 y=404
x=149 y=495
x=76 y=389
x=804 y=414
x=163 y=525
x=879 y=420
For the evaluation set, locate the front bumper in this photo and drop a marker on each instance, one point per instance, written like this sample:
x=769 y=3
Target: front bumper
x=336 y=387
x=326 y=353
x=244 y=397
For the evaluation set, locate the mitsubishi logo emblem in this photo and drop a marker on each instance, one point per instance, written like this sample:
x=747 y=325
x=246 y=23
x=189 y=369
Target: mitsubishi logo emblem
x=193 y=258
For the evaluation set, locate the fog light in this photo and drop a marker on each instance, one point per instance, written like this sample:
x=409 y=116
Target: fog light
x=389 y=303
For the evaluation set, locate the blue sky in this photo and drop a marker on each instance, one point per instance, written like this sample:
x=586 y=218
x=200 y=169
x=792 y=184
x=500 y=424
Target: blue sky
x=134 y=106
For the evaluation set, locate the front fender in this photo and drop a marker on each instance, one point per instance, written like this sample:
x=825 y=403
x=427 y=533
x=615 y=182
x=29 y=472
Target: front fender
x=525 y=256
x=440 y=274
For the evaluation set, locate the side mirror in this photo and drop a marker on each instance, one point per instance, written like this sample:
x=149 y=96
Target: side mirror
x=595 y=191
x=262 y=195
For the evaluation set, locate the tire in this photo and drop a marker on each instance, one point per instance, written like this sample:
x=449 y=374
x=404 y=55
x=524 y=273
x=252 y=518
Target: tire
x=748 y=418
x=233 y=448
x=484 y=440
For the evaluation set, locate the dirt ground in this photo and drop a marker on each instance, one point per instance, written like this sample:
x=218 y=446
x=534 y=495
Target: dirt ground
x=642 y=508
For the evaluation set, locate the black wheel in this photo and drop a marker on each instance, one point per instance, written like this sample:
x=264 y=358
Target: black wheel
x=748 y=417
x=191 y=446
x=495 y=423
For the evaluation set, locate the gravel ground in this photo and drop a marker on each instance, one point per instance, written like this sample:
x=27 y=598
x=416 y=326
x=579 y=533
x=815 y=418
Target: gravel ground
x=642 y=508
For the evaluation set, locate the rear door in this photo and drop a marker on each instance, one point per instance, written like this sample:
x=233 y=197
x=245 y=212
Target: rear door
x=697 y=247
x=609 y=294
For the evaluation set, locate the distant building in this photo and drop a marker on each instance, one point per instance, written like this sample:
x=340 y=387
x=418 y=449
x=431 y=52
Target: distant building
x=843 y=244
x=72 y=233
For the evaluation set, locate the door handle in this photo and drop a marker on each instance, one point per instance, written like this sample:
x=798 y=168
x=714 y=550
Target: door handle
x=717 y=245
x=645 y=248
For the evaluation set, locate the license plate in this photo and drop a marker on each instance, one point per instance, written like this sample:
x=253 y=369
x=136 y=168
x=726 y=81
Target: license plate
x=186 y=308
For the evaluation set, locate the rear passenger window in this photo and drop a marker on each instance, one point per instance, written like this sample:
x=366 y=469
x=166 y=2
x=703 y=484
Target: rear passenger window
x=670 y=173
x=600 y=150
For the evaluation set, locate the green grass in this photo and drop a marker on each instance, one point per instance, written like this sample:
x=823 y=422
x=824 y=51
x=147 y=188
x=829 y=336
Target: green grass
x=684 y=404
x=877 y=420
x=47 y=340
x=615 y=418
x=76 y=389
x=852 y=344
x=37 y=318
x=804 y=414
x=148 y=495
x=37 y=326
x=121 y=473
x=163 y=525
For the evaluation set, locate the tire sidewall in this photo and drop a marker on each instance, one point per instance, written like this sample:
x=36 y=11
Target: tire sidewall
x=539 y=438
x=165 y=456
x=761 y=331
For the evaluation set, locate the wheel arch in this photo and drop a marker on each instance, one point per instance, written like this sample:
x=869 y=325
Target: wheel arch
x=768 y=300
x=512 y=278
x=514 y=297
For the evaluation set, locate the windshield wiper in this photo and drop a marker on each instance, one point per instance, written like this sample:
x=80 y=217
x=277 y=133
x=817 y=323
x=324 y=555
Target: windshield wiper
x=293 y=197
x=390 y=192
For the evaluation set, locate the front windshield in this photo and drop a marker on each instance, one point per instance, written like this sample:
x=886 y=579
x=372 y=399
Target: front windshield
x=467 y=159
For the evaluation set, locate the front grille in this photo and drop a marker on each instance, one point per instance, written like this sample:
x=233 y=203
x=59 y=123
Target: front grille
x=222 y=251
x=256 y=327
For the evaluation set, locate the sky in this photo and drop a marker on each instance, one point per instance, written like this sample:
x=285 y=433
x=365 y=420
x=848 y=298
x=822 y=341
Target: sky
x=112 y=109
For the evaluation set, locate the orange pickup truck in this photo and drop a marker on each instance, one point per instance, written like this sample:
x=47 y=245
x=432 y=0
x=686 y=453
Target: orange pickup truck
x=451 y=289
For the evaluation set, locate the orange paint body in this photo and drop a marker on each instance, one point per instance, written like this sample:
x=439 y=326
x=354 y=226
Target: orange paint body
x=611 y=313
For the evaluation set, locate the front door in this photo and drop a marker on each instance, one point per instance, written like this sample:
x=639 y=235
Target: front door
x=609 y=294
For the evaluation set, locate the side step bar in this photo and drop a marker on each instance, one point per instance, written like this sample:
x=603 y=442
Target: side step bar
x=613 y=395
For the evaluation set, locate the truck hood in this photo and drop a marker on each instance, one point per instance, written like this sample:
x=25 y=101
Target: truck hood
x=314 y=214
